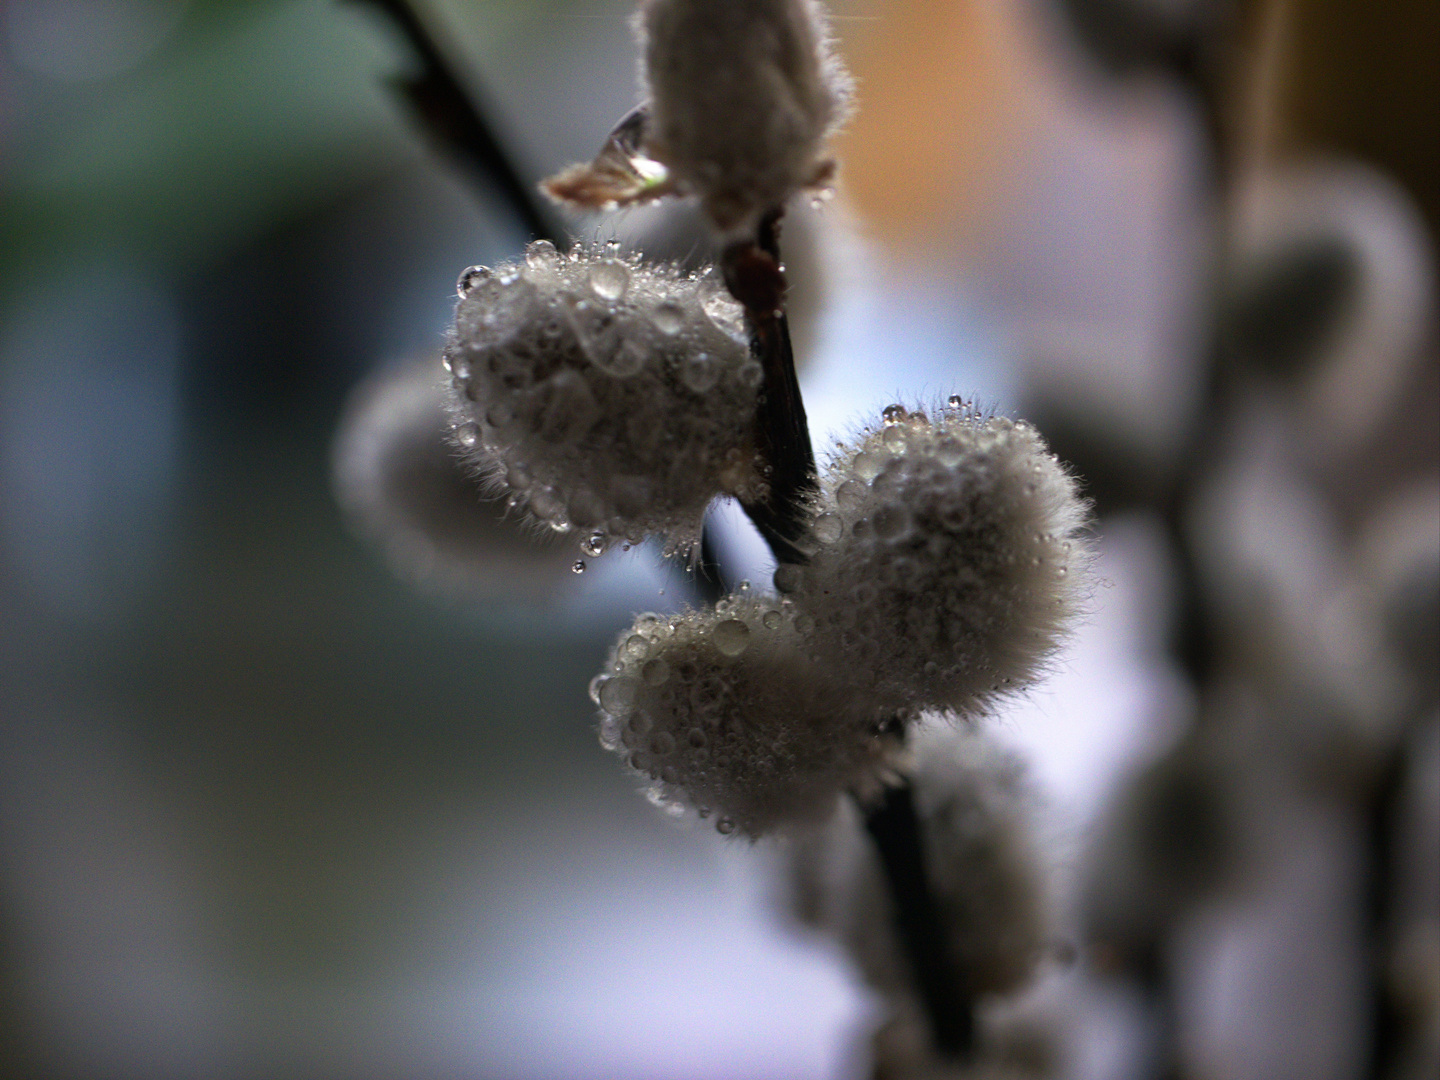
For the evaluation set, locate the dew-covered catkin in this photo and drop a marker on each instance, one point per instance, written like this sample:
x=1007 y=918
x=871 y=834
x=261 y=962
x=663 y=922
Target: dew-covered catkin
x=743 y=97
x=725 y=711
x=949 y=559
x=607 y=396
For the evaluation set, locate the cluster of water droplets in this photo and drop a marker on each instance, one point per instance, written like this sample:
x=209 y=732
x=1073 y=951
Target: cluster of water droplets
x=946 y=558
x=724 y=710
x=610 y=397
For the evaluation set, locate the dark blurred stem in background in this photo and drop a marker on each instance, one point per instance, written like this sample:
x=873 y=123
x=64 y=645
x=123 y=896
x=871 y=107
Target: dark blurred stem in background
x=453 y=117
x=895 y=827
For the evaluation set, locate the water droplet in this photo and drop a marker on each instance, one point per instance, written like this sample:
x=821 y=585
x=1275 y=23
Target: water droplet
x=545 y=502
x=949 y=453
x=460 y=369
x=772 y=620
x=617 y=695
x=628 y=359
x=471 y=279
x=699 y=371
x=609 y=279
x=743 y=587
x=827 y=528
x=636 y=646
x=804 y=624
x=612 y=247
x=750 y=374
x=956 y=401
x=595 y=684
x=578 y=566
x=867 y=465
x=610 y=733
x=891 y=522
x=789 y=577
x=541 y=255
x=725 y=312
x=467 y=435
x=850 y=495
x=731 y=637
x=655 y=672
x=595 y=544
x=724 y=826
x=893 y=414
x=896 y=437
x=668 y=317
x=500 y=415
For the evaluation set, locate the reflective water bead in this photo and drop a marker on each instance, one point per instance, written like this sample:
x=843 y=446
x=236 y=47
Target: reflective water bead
x=609 y=279
x=893 y=414
x=617 y=695
x=724 y=826
x=772 y=620
x=725 y=312
x=595 y=544
x=541 y=255
x=850 y=495
x=610 y=733
x=731 y=637
x=699 y=372
x=668 y=317
x=467 y=435
x=578 y=566
x=789 y=577
x=471 y=279
x=891 y=522
x=827 y=528
x=867 y=465
x=655 y=672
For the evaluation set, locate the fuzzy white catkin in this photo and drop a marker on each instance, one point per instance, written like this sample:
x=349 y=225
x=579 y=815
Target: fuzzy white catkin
x=724 y=710
x=743 y=96
x=607 y=395
x=950 y=560
x=403 y=488
x=981 y=861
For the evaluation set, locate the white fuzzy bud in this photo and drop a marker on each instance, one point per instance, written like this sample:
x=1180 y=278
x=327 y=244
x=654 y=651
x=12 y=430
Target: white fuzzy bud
x=743 y=96
x=981 y=864
x=404 y=488
x=606 y=395
x=725 y=710
x=949 y=559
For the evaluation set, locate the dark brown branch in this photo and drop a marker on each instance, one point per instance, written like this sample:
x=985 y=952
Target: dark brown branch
x=895 y=828
x=754 y=276
x=453 y=117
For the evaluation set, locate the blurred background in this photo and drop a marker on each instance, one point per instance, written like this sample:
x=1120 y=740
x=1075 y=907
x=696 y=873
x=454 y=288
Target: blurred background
x=267 y=808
